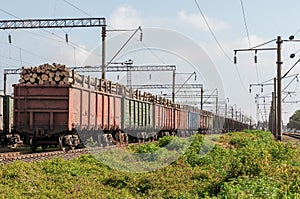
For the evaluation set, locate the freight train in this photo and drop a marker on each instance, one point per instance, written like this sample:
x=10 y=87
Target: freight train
x=98 y=110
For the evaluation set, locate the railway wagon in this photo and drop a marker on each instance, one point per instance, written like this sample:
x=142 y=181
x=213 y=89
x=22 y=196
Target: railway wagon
x=205 y=118
x=2 y=112
x=2 y=106
x=7 y=134
x=194 y=121
x=181 y=121
x=234 y=125
x=46 y=115
x=164 y=118
x=7 y=112
x=137 y=119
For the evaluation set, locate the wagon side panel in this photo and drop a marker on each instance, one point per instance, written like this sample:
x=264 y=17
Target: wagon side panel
x=41 y=108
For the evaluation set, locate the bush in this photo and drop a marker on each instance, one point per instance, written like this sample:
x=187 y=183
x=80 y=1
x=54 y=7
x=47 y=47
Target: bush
x=164 y=141
x=239 y=165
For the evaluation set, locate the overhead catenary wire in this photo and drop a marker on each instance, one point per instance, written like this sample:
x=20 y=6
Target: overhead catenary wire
x=88 y=14
x=219 y=44
x=212 y=32
x=29 y=52
x=248 y=36
x=76 y=7
x=245 y=23
x=14 y=59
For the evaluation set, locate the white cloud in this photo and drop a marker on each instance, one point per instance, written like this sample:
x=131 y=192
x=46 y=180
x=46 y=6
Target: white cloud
x=197 y=21
x=125 y=17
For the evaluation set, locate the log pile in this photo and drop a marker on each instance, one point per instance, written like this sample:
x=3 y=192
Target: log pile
x=59 y=74
x=46 y=74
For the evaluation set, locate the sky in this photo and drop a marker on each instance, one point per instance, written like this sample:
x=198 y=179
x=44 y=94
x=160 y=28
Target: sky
x=196 y=36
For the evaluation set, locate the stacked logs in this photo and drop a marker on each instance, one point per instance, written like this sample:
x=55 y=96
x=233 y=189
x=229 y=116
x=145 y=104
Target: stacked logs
x=59 y=74
x=46 y=74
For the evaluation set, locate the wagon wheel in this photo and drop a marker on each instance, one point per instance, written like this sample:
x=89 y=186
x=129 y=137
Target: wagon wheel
x=44 y=147
x=33 y=145
x=61 y=143
x=99 y=140
x=72 y=147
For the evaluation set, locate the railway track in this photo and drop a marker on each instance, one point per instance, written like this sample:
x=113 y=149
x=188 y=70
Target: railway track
x=293 y=135
x=27 y=156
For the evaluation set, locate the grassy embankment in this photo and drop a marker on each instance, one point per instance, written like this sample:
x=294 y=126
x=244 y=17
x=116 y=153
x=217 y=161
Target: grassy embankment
x=236 y=165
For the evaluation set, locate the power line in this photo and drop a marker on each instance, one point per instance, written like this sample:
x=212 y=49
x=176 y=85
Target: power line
x=27 y=51
x=19 y=60
x=245 y=22
x=297 y=32
x=145 y=46
x=248 y=35
x=219 y=44
x=9 y=13
x=211 y=31
x=76 y=7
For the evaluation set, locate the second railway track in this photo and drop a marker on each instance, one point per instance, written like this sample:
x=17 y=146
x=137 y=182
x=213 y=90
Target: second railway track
x=26 y=156
x=293 y=135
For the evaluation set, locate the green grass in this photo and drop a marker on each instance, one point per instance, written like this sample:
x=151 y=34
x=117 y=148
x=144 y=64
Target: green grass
x=236 y=165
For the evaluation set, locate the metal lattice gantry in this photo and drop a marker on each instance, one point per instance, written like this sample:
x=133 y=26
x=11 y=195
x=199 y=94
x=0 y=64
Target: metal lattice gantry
x=123 y=67
x=167 y=86
x=112 y=68
x=60 y=23
x=52 y=23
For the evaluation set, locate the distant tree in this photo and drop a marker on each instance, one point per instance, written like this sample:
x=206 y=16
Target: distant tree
x=294 y=121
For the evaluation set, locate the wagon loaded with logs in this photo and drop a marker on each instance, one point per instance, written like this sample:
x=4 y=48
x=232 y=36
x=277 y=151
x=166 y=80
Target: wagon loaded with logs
x=52 y=104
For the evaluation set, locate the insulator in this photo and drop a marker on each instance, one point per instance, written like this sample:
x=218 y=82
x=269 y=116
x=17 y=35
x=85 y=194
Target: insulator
x=118 y=77
x=250 y=89
x=262 y=88
x=255 y=59
x=150 y=76
x=234 y=60
x=67 y=38
x=141 y=36
x=9 y=38
x=195 y=76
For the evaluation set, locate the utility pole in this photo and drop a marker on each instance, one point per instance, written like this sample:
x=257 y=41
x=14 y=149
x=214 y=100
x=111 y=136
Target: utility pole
x=225 y=109
x=173 y=86
x=201 y=98
x=275 y=111
x=257 y=108
x=279 y=109
x=240 y=115
x=279 y=42
x=217 y=105
x=103 y=35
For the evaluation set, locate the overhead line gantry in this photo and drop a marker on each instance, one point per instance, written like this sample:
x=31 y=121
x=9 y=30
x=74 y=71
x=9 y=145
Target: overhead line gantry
x=60 y=23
